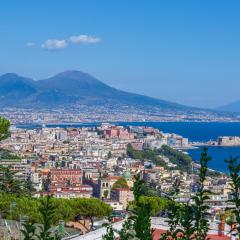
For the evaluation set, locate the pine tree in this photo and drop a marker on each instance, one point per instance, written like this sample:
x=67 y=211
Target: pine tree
x=8 y=183
x=29 y=231
x=234 y=171
x=142 y=221
x=109 y=231
x=189 y=221
x=173 y=214
x=186 y=215
x=201 y=214
x=127 y=232
x=47 y=211
x=138 y=187
x=28 y=187
x=4 y=128
x=141 y=212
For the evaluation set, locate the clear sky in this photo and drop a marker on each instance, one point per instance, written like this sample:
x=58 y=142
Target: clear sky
x=183 y=51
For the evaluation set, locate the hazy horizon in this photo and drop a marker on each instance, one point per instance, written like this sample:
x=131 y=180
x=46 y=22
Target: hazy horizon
x=185 y=52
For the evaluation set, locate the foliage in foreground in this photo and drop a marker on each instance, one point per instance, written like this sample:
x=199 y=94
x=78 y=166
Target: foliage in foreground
x=138 y=224
x=46 y=210
x=201 y=225
x=190 y=221
x=65 y=209
x=4 y=128
x=234 y=171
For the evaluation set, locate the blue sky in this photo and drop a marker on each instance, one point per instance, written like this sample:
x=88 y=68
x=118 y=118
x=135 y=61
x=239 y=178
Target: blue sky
x=183 y=51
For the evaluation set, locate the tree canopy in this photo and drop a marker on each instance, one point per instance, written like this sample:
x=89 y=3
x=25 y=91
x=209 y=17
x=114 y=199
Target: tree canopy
x=4 y=128
x=120 y=183
x=65 y=209
x=182 y=160
x=146 y=155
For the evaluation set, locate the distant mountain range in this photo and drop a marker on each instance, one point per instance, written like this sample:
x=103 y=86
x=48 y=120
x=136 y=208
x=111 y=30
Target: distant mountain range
x=72 y=88
x=232 y=107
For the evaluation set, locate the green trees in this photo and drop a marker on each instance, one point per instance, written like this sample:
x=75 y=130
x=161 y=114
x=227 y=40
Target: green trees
x=109 y=231
x=5 y=154
x=90 y=208
x=201 y=225
x=234 y=171
x=146 y=154
x=141 y=212
x=173 y=214
x=51 y=210
x=46 y=210
x=189 y=221
x=138 y=224
x=28 y=188
x=127 y=232
x=186 y=221
x=29 y=231
x=120 y=183
x=182 y=160
x=142 y=221
x=138 y=187
x=4 y=128
x=65 y=209
x=8 y=183
x=157 y=204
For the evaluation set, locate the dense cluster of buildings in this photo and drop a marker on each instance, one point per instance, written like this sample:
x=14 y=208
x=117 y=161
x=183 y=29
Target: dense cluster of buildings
x=86 y=162
x=109 y=113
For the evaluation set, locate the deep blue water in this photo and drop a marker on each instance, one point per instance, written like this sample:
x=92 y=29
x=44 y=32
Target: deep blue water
x=218 y=154
x=195 y=131
x=204 y=131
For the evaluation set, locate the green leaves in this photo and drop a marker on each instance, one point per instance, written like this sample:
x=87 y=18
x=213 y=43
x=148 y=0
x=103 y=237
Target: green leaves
x=234 y=171
x=8 y=183
x=145 y=154
x=29 y=231
x=189 y=221
x=141 y=212
x=174 y=215
x=109 y=230
x=138 y=187
x=64 y=209
x=182 y=160
x=4 y=128
x=201 y=225
x=47 y=211
x=120 y=183
x=127 y=232
x=138 y=224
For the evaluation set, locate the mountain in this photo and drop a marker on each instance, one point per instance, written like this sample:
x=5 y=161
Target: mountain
x=73 y=88
x=14 y=87
x=232 y=107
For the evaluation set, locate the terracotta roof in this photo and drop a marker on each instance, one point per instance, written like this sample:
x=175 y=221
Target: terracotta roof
x=157 y=233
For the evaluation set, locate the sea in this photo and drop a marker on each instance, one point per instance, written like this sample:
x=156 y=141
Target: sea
x=194 y=131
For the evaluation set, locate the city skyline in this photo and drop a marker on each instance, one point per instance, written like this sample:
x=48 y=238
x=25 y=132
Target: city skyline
x=167 y=50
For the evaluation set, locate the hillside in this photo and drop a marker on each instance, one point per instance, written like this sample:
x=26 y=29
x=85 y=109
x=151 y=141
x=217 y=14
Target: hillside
x=73 y=88
x=232 y=107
